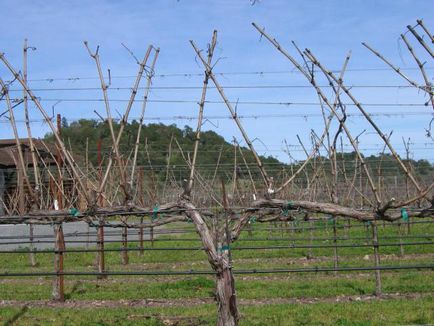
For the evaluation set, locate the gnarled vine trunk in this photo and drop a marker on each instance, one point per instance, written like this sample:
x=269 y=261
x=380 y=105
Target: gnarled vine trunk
x=219 y=261
x=225 y=294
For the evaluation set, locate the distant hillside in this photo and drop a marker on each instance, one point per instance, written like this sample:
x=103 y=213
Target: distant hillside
x=158 y=138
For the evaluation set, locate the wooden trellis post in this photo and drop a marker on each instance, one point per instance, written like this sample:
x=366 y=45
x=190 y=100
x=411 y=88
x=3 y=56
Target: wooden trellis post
x=250 y=230
x=311 y=226
x=124 y=252
x=32 y=150
x=141 y=238
x=347 y=227
x=376 y=258
x=335 y=244
x=139 y=197
x=151 y=235
x=401 y=247
x=59 y=246
x=100 y=244
x=32 y=247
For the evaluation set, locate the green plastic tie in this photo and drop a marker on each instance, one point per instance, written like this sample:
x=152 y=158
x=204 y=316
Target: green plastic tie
x=285 y=211
x=155 y=212
x=74 y=212
x=404 y=214
x=225 y=247
x=252 y=219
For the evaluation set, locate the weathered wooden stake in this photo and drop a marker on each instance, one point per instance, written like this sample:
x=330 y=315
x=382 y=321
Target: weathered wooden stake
x=347 y=228
x=401 y=247
x=124 y=252
x=32 y=150
x=151 y=235
x=367 y=232
x=100 y=243
x=309 y=252
x=377 y=258
x=32 y=247
x=335 y=249
x=141 y=238
x=250 y=229
x=58 y=285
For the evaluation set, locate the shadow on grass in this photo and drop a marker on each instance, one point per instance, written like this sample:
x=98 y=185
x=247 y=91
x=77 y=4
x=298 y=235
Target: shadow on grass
x=358 y=289
x=17 y=316
x=75 y=289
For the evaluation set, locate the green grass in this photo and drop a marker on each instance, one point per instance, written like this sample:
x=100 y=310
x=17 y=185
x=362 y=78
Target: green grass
x=203 y=287
x=261 y=287
x=393 y=312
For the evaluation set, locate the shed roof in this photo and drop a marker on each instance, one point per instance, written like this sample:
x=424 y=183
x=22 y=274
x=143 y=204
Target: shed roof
x=9 y=153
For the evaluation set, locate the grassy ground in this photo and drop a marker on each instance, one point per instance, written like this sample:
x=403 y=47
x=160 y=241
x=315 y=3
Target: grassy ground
x=266 y=299
x=203 y=287
x=393 y=312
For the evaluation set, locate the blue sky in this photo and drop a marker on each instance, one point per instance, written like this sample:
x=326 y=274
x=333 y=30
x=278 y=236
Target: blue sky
x=329 y=28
